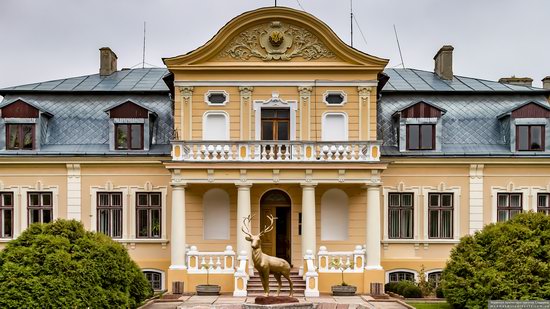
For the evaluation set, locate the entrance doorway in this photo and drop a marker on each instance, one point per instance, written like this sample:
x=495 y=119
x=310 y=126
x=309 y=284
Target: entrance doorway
x=277 y=242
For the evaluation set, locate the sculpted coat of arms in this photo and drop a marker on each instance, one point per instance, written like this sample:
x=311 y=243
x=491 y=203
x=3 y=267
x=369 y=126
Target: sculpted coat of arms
x=276 y=41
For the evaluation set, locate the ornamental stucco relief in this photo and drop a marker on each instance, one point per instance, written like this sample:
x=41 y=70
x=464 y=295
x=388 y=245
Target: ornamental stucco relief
x=276 y=41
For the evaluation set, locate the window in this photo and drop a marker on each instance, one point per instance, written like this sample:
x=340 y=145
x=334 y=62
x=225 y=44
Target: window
x=334 y=98
x=334 y=215
x=530 y=137
x=40 y=207
x=129 y=136
x=20 y=136
x=543 y=203
x=335 y=127
x=440 y=215
x=215 y=126
x=6 y=214
x=216 y=214
x=155 y=278
x=299 y=223
x=420 y=137
x=397 y=276
x=275 y=124
x=508 y=205
x=148 y=210
x=216 y=97
x=109 y=213
x=435 y=277
x=400 y=215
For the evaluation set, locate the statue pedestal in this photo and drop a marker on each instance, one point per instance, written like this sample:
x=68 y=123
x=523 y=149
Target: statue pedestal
x=277 y=302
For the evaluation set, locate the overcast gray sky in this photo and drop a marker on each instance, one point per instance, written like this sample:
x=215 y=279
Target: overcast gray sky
x=50 y=39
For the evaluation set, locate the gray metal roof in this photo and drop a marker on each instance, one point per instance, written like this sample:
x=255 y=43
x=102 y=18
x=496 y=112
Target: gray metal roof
x=134 y=80
x=413 y=80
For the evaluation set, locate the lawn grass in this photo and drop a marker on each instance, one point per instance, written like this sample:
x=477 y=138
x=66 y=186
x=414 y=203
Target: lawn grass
x=430 y=305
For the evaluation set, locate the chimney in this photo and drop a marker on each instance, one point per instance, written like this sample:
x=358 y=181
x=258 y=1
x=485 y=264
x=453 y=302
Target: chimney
x=518 y=81
x=107 y=61
x=546 y=82
x=444 y=62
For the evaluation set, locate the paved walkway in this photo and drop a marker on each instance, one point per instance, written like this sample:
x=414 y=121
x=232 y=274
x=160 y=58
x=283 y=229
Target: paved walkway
x=230 y=302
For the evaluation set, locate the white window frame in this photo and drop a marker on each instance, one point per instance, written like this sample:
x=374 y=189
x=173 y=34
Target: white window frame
x=109 y=188
x=39 y=187
x=534 y=196
x=162 y=276
x=402 y=188
x=14 y=190
x=442 y=188
x=510 y=188
x=227 y=123
x=209 y=92
x=274 y=102
x=329 y=92
x=228 y=230
x=329 y=222
x=401 y=269
x=346 y=124
x=149 y=188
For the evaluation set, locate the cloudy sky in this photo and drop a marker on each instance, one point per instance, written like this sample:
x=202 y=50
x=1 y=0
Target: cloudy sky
x=50 y=39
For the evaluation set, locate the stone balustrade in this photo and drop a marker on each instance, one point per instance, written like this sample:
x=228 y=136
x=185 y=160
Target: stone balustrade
x=352 y=261
x=214 y=262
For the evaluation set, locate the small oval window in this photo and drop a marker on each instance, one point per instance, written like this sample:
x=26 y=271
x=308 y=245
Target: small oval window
x=334 y=98
x=217 y=98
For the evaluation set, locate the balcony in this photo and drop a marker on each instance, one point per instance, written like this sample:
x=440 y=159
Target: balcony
x=275 y=151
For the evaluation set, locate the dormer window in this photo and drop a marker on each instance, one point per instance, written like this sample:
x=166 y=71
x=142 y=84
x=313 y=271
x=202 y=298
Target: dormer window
x=21 y=122
x=530 y=137
x=216 y=97
x=20 y=136
x=130 y=126
x=419 y=127
x=334 y=98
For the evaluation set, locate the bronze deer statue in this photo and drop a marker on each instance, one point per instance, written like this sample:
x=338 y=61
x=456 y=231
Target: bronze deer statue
x=264 y=263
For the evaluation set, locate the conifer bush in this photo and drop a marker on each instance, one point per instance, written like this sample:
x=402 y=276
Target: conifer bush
x=504 y=261
x=60 y=265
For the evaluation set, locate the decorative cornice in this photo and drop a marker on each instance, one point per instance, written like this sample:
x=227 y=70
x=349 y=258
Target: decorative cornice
x=246 y=91
x=186 y=91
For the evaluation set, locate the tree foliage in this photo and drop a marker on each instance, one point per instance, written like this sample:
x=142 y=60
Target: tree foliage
x=60 y=265
x=505 y=261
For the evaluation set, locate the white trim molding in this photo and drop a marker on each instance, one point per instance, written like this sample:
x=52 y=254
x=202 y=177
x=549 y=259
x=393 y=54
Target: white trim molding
x=402 y=188
x=16 y=210
x=210 y=92
x=227 y=123
x=340 y=92
x=39 y=187
x=274 y=102
x=509 y=188
x=162 y=276
x=388 y=272
x=534 y=196
x=74 y=192
x=269 y=83
x=109 y=188
x=147 y=187
x=476 y=198
x=442 y=188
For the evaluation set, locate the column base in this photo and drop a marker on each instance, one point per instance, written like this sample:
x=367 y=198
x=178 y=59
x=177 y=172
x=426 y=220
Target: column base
x=177 y=274
x=373 y=276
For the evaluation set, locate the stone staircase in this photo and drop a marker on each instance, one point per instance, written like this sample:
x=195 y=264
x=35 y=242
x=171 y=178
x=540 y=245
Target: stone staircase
x=254 y=287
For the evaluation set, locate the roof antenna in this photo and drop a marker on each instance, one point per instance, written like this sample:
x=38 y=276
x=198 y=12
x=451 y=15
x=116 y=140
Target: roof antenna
x=398 y=46
x=143 y=59
x=351 y=20
x=275 y=3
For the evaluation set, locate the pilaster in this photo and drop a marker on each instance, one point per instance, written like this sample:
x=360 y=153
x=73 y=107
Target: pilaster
x=246 y=112
x=305 y=112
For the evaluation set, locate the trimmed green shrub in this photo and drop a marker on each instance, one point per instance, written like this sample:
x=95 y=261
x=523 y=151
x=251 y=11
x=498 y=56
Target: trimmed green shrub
x=412 y=291
x=508 y=260
x=402 y=285
x=390 y=287
x=60 y=265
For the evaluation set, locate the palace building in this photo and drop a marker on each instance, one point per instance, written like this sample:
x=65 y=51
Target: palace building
x=382 y=169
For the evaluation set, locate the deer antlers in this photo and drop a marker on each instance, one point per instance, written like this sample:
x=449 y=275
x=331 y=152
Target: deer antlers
x=247 y=222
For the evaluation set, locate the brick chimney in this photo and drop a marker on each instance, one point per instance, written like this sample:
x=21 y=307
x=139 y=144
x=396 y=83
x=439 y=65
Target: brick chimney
x=518 y=81
x=107 y=61
x=444 y=62
x=546 y=82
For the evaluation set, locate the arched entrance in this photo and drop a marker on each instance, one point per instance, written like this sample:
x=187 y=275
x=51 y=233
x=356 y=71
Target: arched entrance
x=277 y=242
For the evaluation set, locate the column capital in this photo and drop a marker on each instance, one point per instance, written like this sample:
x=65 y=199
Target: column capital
x=186 y=91
x=178 y=184
x=308 y=184
x=243 y=185
x=372 y=185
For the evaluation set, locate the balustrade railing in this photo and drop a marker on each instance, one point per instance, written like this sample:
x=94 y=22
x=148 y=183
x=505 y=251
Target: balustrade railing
x=350 y=261
x=213 y=262
x=275 y=151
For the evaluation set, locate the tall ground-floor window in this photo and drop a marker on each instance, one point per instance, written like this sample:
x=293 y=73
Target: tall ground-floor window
x=40 y=207
x=6 y=214
x=400 y=220
x=397 y=276
x=440 y=215
x=148 y=216
x=543 y=204
x=155 y=278
x=109 y=213
x=508 y=205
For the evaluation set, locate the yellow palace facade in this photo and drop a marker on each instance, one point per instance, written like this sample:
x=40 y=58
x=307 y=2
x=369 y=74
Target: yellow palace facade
x=382 y=169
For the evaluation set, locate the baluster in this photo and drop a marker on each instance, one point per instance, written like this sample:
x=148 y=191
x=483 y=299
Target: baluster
x=353 y=153
x=279 y=152
x=264 y=153
x=348 y=264
x=226 y=152
x=218 y=264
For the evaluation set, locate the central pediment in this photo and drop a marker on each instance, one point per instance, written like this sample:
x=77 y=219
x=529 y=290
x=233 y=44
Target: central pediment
x=276 y=36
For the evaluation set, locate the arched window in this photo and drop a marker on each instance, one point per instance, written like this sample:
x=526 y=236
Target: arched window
x=334 y=215
x=335 y=127
x=156 y=278
x=215 y=126
x=400 y=275
x=435 y=277
x=216 y=214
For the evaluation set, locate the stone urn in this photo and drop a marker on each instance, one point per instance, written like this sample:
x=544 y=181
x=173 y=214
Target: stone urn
x=208 y=289
x=343 y=290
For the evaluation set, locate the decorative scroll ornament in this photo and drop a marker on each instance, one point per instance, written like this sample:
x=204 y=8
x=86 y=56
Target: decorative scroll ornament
x=276 y=41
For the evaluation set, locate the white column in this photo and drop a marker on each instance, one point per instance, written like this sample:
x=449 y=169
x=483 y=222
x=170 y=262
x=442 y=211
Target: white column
x=243 y=211
x=177 y=237
x=308 y=219
x=373 y=227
